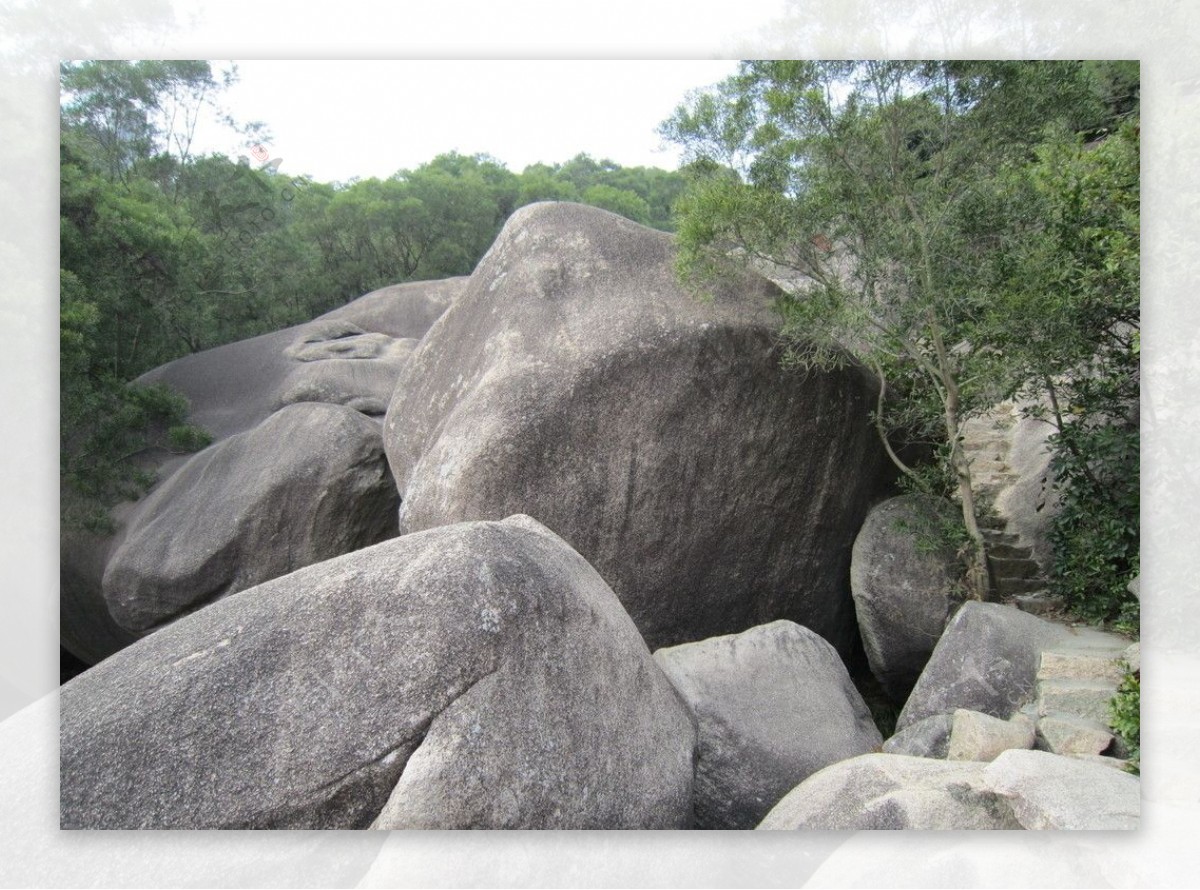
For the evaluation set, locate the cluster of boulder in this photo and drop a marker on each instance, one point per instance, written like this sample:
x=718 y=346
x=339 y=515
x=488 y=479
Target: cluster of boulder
x=558 y=545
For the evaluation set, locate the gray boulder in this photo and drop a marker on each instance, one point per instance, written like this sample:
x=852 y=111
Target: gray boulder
x=925 y=738
x=576 y=381
x=987 y=660
x=1047 y=791
x=475 y=676
x=904 y=583
x=891 y=791
x=307 y=484
x=772 y=705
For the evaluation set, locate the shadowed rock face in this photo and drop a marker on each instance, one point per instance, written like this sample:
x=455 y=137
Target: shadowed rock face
x=475 y=676
x=351 y=356
x=575 y=381
x=903 y=580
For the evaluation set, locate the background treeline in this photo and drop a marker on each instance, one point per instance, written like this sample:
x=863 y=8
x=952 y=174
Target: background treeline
x=164 y=253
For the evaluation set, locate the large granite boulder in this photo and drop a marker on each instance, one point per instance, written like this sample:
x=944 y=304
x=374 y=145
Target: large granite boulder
x=403 y=311
x=480 y=675
x=772 y=705
x=308 y=483
x=903 y=578
x=892 y=791
x=574 y=380
x=351 y=356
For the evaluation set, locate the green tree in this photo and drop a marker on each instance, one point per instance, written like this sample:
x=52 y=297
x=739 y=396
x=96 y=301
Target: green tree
x=135 y=269
x=1075 y=274
x=860 y=186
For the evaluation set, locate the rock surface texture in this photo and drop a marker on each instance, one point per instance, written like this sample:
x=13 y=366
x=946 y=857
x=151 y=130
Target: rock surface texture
x=1047 y=791
x=890 y=791
x=925 y=738
x=234 y=387
x=475 y=676
x=575 y=381
x=772 y=705
x=976 y=736
x=904 y=586
x=1019 y=789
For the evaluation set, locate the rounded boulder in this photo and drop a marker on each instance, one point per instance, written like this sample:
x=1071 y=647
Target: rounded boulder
x=576 y=381
x=480 y=675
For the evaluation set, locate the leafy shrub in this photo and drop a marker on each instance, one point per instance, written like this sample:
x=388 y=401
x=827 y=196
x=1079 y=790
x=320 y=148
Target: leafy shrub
x=1126 y=717
x=1096 y=533
x=188 y=438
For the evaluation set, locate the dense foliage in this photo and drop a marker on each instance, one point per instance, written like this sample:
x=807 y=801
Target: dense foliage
x=164 y=253
x=945 y=223
x=1076 y=274
x=1125 y=717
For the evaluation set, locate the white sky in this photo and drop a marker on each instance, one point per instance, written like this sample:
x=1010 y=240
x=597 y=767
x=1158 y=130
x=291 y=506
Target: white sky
x=335 y=120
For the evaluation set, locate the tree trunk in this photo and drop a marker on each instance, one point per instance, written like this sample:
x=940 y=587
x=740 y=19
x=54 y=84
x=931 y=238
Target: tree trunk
x=979 y=576
x=979 y=580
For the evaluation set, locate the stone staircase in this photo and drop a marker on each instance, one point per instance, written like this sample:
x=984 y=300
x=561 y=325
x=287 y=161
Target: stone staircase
x=1077 y=676
x=1017 y=577
x=1076 y=681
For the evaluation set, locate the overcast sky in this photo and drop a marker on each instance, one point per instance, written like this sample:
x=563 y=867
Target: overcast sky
x=335 y=120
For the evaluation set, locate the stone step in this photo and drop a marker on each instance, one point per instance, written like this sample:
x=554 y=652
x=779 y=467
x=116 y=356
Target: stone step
x=1003 y=545
x=999 y=536
x=986 y=462
x=996 y=523
x=1012 y=567
x=1083 y=698
x=1079 y=664
x=1008 y=551
x=991 y=489
x=983 y=438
